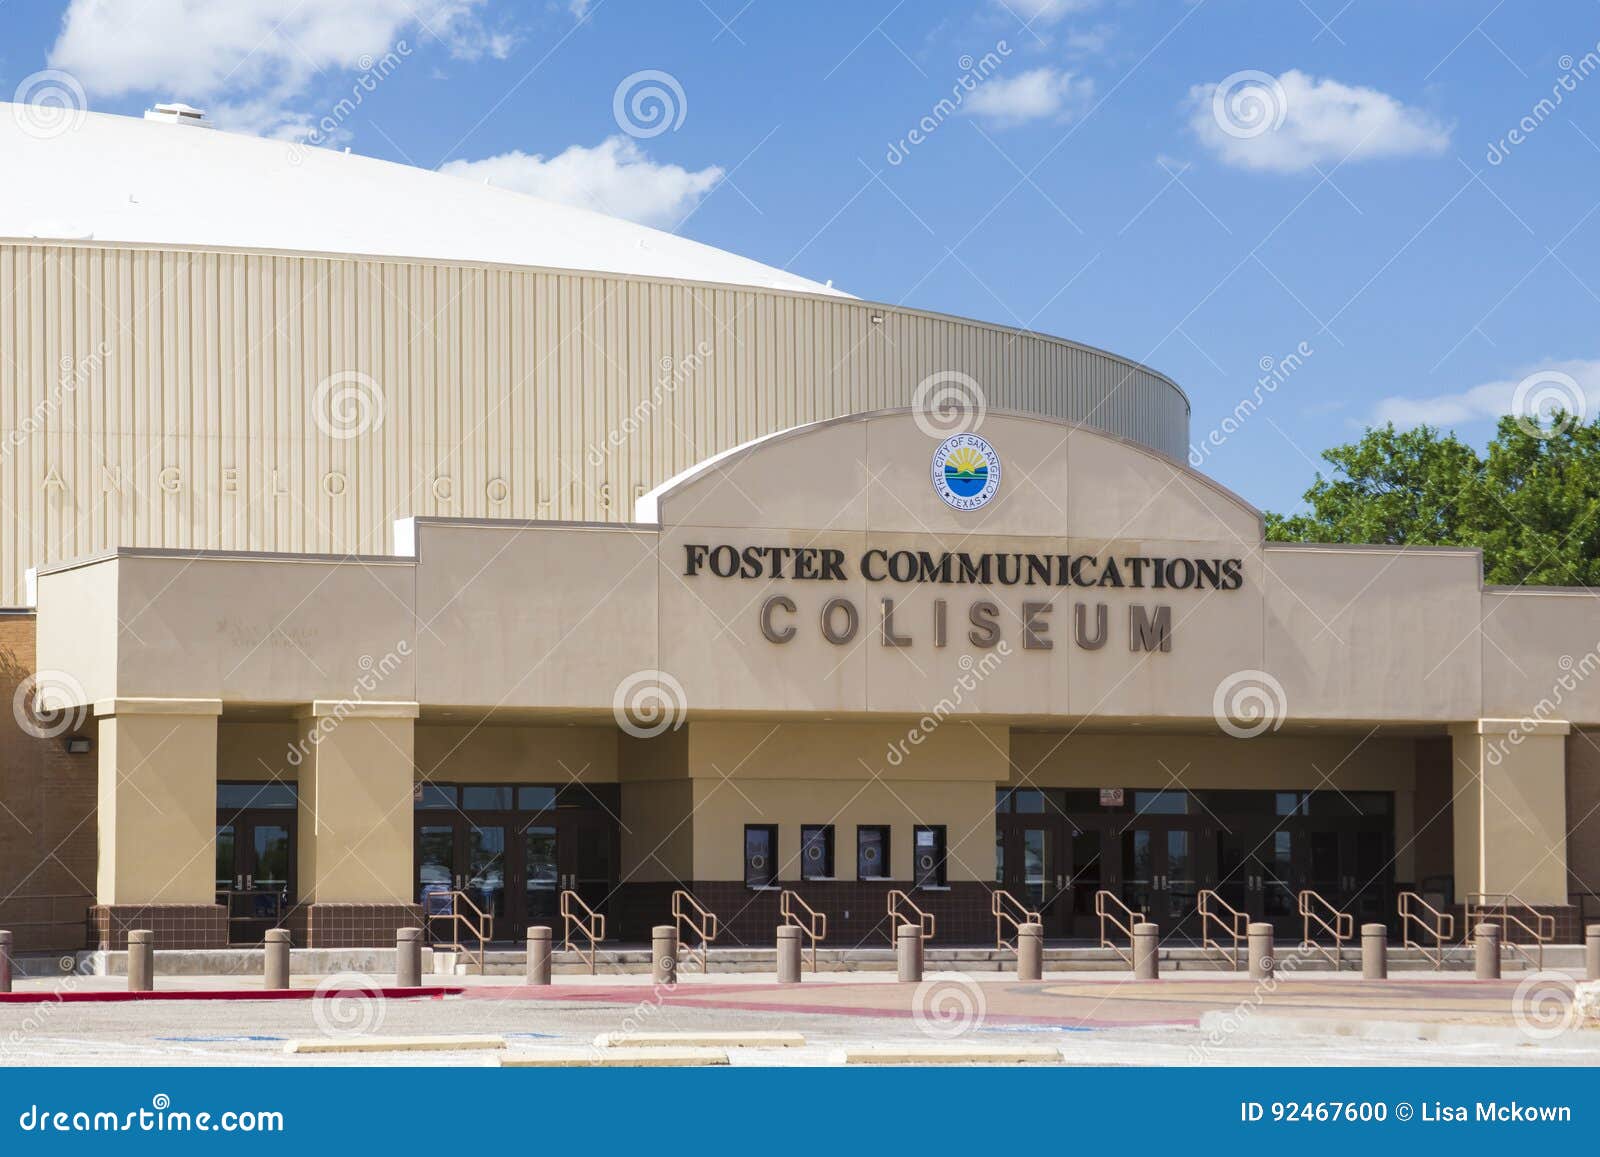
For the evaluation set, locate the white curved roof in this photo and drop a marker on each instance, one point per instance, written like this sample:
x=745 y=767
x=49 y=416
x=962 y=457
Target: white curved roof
x=115 y=178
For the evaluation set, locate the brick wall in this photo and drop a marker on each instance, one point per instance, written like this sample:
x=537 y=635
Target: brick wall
x=47 y=816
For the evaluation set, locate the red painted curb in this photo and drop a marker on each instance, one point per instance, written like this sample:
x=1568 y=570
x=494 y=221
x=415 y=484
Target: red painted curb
x=223 y=994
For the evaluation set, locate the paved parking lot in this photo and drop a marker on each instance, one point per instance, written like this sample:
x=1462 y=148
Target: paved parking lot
x=1093 y=1021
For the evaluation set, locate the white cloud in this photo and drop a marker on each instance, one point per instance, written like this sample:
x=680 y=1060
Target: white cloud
x=1291 y=122
x=1488 y=401
x=614 y=177
x=1089 y=41
x=256 y=59
x=1039 y=92
x=1045 y=11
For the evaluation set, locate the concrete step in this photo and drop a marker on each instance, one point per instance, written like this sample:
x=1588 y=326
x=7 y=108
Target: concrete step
x=628 y=959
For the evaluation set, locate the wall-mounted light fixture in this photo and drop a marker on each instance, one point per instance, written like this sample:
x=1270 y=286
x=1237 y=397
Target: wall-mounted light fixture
x=79 y=745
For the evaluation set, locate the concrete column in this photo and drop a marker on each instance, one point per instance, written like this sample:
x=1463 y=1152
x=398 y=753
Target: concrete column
x=5 y=962
x=1259 y=939
x=157 y=805
x=664 y=954
x=141 y=960
x=1374 y=952
x=357 y=826
x=788 y=954
x=277 y=962
x=1486 y=951
x=1146 y=952
x=908 y=953
x=408 y=957
x=1591 y=951
x=1510 y=809
x=539 y=936
x=1030 y=952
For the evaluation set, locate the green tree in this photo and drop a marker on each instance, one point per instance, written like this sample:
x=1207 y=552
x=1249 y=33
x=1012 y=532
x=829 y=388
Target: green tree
x=1531 y=502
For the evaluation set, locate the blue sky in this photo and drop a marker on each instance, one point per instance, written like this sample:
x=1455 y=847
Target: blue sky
x=1339 y=197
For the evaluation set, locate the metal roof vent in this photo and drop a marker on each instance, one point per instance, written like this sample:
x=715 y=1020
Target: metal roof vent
x=177 y=113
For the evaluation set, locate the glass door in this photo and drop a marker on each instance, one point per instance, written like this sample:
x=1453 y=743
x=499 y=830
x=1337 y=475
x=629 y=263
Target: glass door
x=255 y=872
x=1180 y=879
x=1371 y=859
x=1141 y=872
x=587 y=856
x=541 y=874
x=1351 y=867
x=1162 y=874
x=1278 y=901
x=1031 y=864
x=436 y=864
x=484 y=872
x=1089 y=873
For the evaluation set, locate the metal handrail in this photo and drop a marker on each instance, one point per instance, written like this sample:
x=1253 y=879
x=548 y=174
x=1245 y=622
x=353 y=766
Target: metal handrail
x=1442 y=930
x=1236 y=924
x=481 y=928
x=924 y=920
x=1104 y=900
x=1341 y=929
x=998 y=902
x=589 y=922
x=815 y=925
x=1487 y=907
x=689 y=913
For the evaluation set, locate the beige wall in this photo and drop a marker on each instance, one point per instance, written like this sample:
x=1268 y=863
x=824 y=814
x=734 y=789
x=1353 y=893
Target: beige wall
x=795 y=774
x=157 y=810
x=1350 y=762
x=1583 y=813
x=1541 y=653
x=188 y=420
x=1510 y=810
x=468 y=753
x=356 y=818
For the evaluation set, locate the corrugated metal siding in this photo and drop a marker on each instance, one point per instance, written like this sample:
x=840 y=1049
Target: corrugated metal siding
x=498 y=389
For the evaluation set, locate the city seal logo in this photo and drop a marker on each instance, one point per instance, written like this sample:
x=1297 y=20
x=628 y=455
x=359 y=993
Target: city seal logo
x=966 y=471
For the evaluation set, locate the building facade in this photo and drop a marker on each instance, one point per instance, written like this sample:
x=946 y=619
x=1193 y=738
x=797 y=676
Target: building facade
x=848 y=658
x=368 y=535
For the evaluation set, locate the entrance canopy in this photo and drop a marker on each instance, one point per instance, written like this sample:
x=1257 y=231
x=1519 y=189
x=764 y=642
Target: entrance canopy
x=1027 y=570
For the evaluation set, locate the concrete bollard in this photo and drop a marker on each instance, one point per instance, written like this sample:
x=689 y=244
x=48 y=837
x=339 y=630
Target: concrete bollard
x=1374 y=952
x=141 y=960
x=1030 y=952
x=1591 y=951
x=789 y=954
x=408 y=957
x=5 y=962
x=1259 y=940
x=1486 y=951
x=1146 y=952
x=908 y=953
x=539 y=940
x=277 y=958
x=664 y=954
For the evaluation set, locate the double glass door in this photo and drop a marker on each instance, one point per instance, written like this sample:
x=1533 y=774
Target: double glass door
x=1053 y=866
x=1158 y=850
x=1163 y=872
x=514 y=868
x=1350 y=866
x=255 y=871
